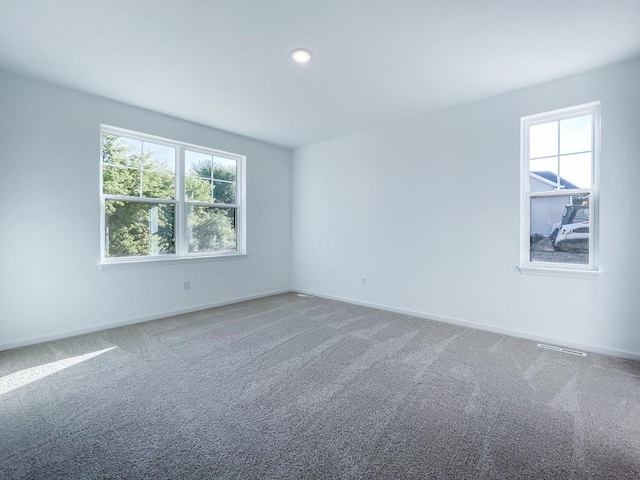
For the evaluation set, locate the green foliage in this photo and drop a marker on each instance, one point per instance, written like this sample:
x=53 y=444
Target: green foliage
x=121 y=181
x=211 y=229
x=139 y=229
x=135 y=228
x=210 y=183
x=198 y=189
x=116 y=151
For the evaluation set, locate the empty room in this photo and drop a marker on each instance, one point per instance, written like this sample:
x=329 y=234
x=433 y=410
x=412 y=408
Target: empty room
x=359 y=239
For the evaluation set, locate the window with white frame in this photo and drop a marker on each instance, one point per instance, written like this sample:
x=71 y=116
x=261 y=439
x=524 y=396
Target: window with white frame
x=560 y=154
x=165 y=199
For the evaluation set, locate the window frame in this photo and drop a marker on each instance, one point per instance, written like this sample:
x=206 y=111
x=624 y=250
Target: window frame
x=552 y=268
x=180 y=201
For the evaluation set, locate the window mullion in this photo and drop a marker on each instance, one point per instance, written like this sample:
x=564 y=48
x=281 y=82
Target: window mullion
x=560 y=193
x=594 y=228
x=211 y=204
x=140 y=187
x=181 y=220
x=558 y=159
x=124 y=198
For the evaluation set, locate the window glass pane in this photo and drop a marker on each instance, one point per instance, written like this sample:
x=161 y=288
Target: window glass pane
x=158 y=177
x=545 y=174
x=121 y=151
x=158 y=184
x=224 y=169
x=575 y=135
x=120 y=181
x=198 y=189
x=197 y=164
x=138 y=229
x=543 y=140
x=211 y=229
x=559 y=228
x=575 y=170
x=198 y=172
x=224 y=192
x=158 y=157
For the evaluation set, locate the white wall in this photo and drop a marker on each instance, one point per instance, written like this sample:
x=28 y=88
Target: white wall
x=428 y=211
x=50 y=281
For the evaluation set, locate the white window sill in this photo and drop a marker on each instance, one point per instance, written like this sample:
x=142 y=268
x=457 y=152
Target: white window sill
x=560 y=272
x=156 y=261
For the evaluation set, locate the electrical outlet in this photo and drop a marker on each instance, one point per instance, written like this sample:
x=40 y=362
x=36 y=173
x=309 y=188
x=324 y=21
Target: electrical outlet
x=363 y=281
x=187 y=285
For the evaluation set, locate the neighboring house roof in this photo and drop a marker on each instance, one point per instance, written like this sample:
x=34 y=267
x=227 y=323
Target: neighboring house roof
x=553 y=179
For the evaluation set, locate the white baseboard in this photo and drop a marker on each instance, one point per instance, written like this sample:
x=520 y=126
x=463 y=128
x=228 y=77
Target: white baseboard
x=438 y=318
x=132 y=321
x=482 y=326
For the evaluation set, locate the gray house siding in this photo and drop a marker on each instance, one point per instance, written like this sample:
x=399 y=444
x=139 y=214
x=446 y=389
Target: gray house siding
x=545 y=212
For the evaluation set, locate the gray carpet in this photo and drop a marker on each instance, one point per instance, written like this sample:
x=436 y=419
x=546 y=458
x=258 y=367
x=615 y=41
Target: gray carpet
x=292 y=387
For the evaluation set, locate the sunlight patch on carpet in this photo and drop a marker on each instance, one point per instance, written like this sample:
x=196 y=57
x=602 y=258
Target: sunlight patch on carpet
x=28 y=375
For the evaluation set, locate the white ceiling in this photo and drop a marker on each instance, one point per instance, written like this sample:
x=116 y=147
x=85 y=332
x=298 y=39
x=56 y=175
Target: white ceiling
x=226 y=63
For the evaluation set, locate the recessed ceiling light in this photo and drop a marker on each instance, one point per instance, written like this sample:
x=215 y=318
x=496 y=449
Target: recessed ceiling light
x=301 y=55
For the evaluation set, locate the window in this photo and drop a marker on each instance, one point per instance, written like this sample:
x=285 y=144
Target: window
x=165 y=199
x=560 y=154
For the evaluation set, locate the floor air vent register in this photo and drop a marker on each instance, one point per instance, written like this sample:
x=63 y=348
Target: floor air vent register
x=562 y=349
